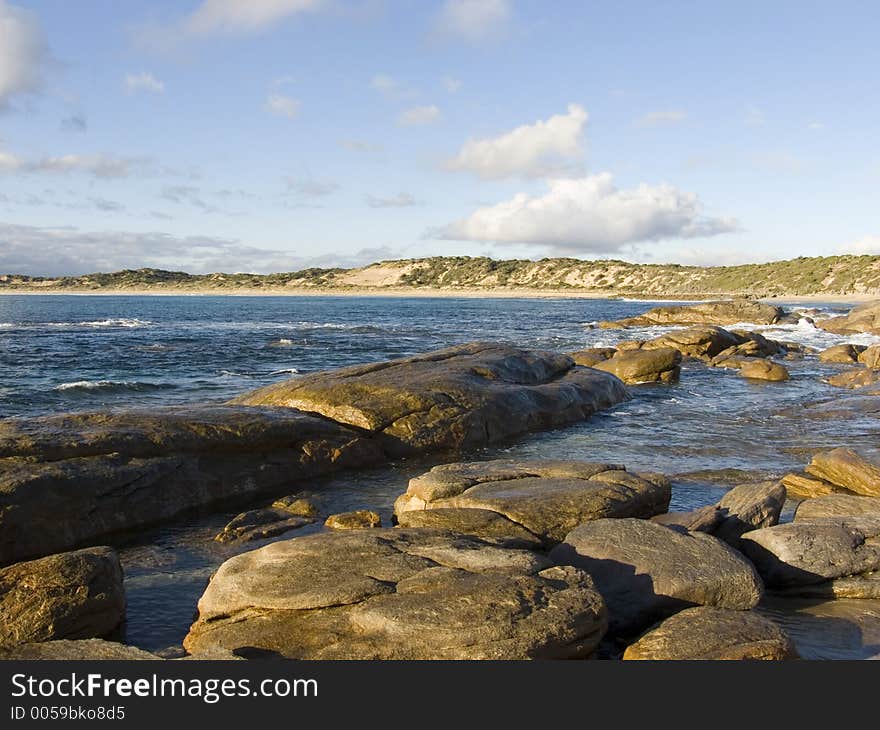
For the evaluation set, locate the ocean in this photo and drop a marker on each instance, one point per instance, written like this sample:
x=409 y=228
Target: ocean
x=65 y=353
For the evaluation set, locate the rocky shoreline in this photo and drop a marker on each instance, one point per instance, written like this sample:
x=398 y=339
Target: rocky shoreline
x=496 y=559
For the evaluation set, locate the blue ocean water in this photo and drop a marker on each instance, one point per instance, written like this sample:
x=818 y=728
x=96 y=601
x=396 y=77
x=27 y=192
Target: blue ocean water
x=63 y=353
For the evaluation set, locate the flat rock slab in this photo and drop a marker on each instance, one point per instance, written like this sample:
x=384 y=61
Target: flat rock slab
x=647 y=572
x=720 y=312
x=489 y=526
x=703 y=519
x=813 y=551
x=82 y=650
x=705 y=633
x=865 y=586
x=260 y=524
x=361 y=519
x=837 y=505
x=547 y=498
x=803 y=486
x=74 y=479
x=847 y=469
x=398 y=594
x=75 y=595
x=464 y=396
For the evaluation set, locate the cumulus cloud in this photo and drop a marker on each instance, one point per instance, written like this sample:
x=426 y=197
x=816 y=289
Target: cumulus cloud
x=473 y=20
x=235 y=16
x=659 y=118
x=532 y=150
x=589 y=215
x=144 y=81
x=865 y=245
x=24 y=53
x=282 y=105
x=401 y=200
x=311 y=188
x=419 y=115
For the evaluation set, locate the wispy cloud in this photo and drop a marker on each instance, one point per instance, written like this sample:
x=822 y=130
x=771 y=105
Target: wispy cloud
x=311 y=188
x=419 y=115
x=284 y=106
x=401 y=200
x=660 y=118
x=754 y=117
x=451 y=84
x=75 y=123
x=144 y=81
x=474 y=21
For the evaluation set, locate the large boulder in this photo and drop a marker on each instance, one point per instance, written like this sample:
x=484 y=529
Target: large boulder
x=702 y=519
x=80 y=650
x=398 y=594
x=701 y=343
x=721 y=313
x=75 y=595
x=845 y=353
x=646 y=571
x=847 y=469
x=73 y=479
x=803 y=486
x=863 y=318
x=464 y=396
x=870 y=357
x=838 y=505
x=547 y=498
x=814 y=551
x=749 y=507
x=588 y=358
x=704 y=632
x=764 y=370
x=661 y=365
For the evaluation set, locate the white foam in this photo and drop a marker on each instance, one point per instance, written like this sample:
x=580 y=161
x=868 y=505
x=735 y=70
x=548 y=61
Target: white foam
x=95 y=385
x=284 y=371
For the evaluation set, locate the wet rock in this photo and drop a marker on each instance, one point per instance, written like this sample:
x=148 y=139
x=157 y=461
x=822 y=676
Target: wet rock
x=489 y=526
x=805 y=552
x=870 y=357
x=863 y=318
x=865 y=587
x=75 y=595
x=297 y=505
x=81 y=650
x=547 y=498
x=845 y=468
x=802 y=486
x=854 y=378
x=588 y=358
x=705 y=633
x=72 y=479
x=704 y=519
x=749 y=507
x=838 y=505
x=842 y=353
x=464 y=396
x=718 y=313
x=764 y=370
x=398 y=594
x=661 y=365
x=260 y=524
x=702 y=343
x=361 y=519
x=646 y=571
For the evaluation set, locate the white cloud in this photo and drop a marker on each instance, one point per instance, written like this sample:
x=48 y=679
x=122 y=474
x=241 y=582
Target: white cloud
x=419 y=115
x=473 y=20
x=144 y=81
x=100 y=166
x=23 y=53
x=816 y=126
x=236 y=16
x=754 y=117
x=589 y=215
x=359 y=145
x=384 y=84
x=865 y=245
x=451 y=85
x=282 y=105
x=401 y=200
x=311 y=188
x=656 y=119
x=532 y=150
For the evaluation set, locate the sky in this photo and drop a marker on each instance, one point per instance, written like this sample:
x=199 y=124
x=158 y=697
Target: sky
x=274 y=135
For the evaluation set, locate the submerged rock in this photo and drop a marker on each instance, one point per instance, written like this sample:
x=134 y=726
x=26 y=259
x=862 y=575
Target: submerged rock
x=358 y=520
x=764 y=370
x=646 y=572
x=721 y=313
x=297 y=505
x=547 y=498
x=660 y=365
x=260 y=524
x=75 y=595
x=460 y=397
x=82 y=650
x=713 y=633
x=847 y=469
x=398 y=594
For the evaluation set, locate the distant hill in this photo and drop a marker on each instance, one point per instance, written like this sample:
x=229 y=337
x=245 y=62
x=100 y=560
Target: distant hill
x=831 y=275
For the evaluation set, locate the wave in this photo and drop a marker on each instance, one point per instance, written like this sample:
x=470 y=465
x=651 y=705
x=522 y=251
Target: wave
x=124 y=322
x=285 y=371
x=110 y=386
x=256 y=373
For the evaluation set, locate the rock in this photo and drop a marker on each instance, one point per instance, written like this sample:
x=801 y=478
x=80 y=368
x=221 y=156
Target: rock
x=75 y=595
x=713 y=633
x=460 y=397
x=702 y=343
x=805 y=552
x=646 y=572
x=870 y=357
x=358 y=520
x=704 y=519
x=838 y=505
x=749 y=507
x=296 y=505
x=854 y=378
x=764 y=370
x=260 y=524
x=801 y=486
x=547 y=498
x=754 y=344
x=863 y=318
x=718 y=313
x=588 y=358
x=661 y=365
x=73 y=479
x=865 y=586
x=625 y=345
x=845 y=468
x=398 y=594
x=489 y=526
x=82 y=650
x=842 y=353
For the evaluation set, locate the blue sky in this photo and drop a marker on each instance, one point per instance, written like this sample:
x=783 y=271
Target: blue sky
x=277 y=134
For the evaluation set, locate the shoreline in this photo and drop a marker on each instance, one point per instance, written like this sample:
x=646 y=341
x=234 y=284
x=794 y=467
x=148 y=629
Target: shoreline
x=407 y=293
